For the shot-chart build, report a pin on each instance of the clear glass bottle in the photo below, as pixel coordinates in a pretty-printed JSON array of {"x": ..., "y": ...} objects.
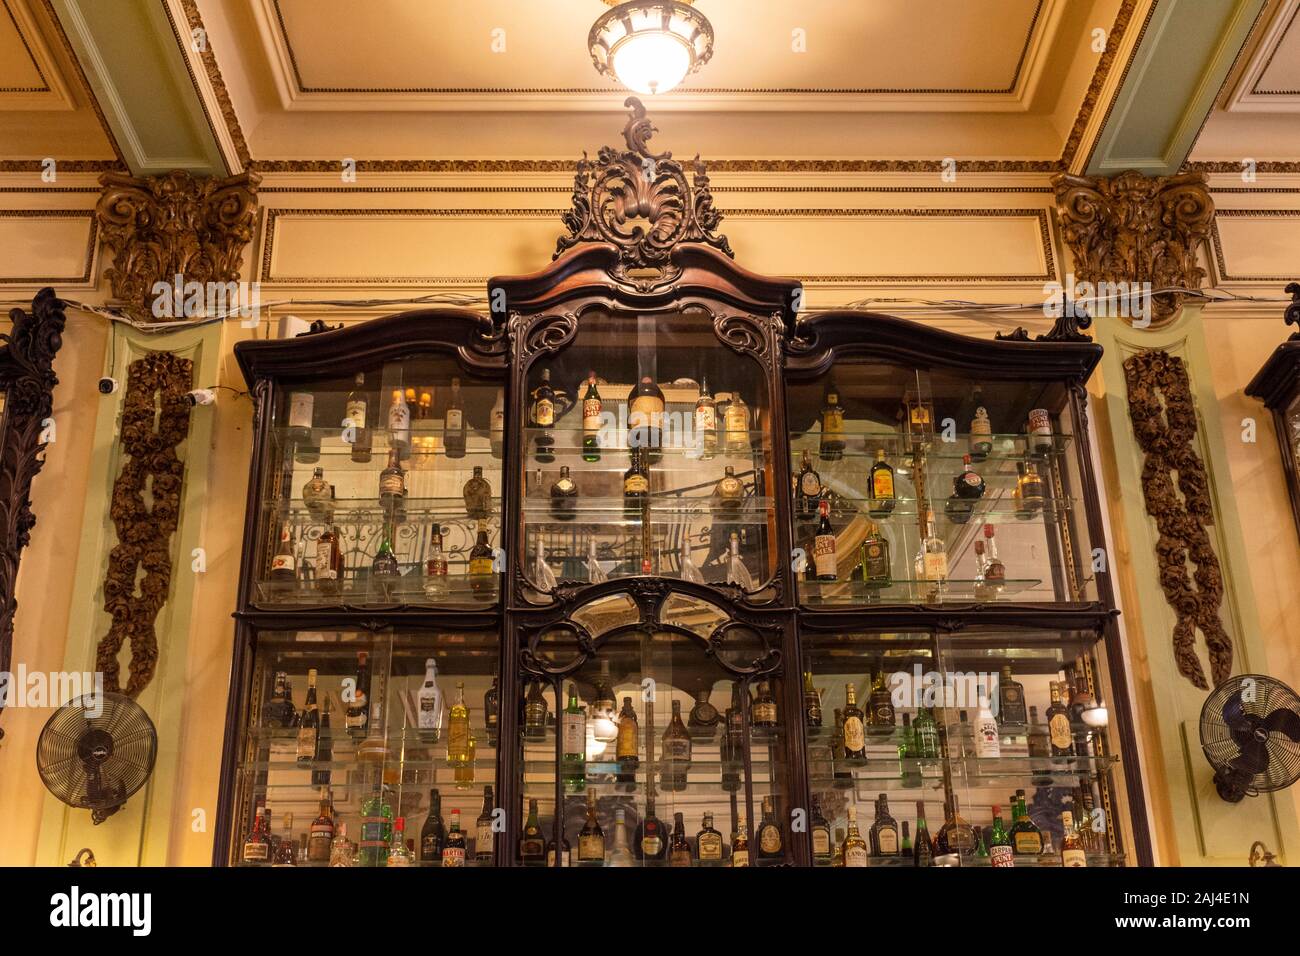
[
  {"x": 399, "y": 424},
  {"x": 737, "y": 426},
  {"x": 620, "y": 854},
  {"x": 435, "y": 566},
  {"x": 317, "y": 496},
  {"x": 706, "y": 422},
  {"x": 1028, "y": 494},
  {"x": 934, "y": 562},
  {"x": 981, "y": 435},
  {"x": 398, "y": 854},
  {"x": 429, "y": 703},
  {"x": 356, "y": 421}
]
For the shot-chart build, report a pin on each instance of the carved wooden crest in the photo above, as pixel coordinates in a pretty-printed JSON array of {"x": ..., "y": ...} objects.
[
  {"x": 1133, "y": 228},
  {"x": 642, "y": 203},
  {"x": 163, "y": 226}
]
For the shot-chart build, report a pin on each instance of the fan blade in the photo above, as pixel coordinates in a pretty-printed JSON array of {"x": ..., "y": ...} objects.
[
  {"x": 1253, "y": 759},
  {"x": 1283, "y": 722},
  {"x": 1234, "y": 711}
]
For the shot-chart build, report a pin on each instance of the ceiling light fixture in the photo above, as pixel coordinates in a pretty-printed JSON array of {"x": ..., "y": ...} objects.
[{"x": 650, "y": 45}]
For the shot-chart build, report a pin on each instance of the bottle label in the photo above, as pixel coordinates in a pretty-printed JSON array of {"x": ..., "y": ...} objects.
[
  {"x": 821, "y": 841},
  {"x": 677, "y": 748},
  {"x": 429, "y": 850},
  {"x": 480, "y": 566},
  {"x": 832, "y": 422},
  {"x": 591, "y": 848},
  {"x": 436, "y": 567},
  {"x": 876, "y": 564},
  {"x": 324, "y": 563},
  {"x": 301, "y": 405},
  {"x": 455, "y": 419},
  {"x": 936, "y": 565},
  {"x": 1073, "y": 858},
  {"x": 810, "y": 484},
  {"x": 635, "y": 485},
  {"x": 680, "y": 857},
  {"x": 399, "y": 417},
  {"x": 575, "y": 733},
  {"x": 428, "y": 717},
  {"x": 458, "y": 738},
  {"x": 769, "y": 840},
  {"x": 741, "y": 858},
  {"x": 824, "y": 555},
  {"x": 887, "y": 838},
  {"x": 710, "y": 846},
  {"x": 854, "y": 734},
  {"x": 627, "y": 734},
  {"x": 706, "y": 418},
  {"x": 391, "y": 483},
  {"x": 651, "y": 845},
  {"x": 1029, "y": 842},
  {"x": 356, "y": 413},
  {"x": 591, "y": 414},
  {"x": 646, "y": 410},
  {"x": 882, "y": 483},
  {"x": 764, "y": 712},
  {"x": 737, "y": 418},
  {"x": 855, "y": 856},
  {"x": 372, "y": 832},
  {"x": 256, "y": 852},
  {"x": 1002, "y": 856},
  {"x": 1058, "y": 727},
  {"x": 318, "y": 844},
  {"x": 453, "y": 856},
  {"x": 972, "y": 480},
  {"x": 483, "y": 838},
  {"x": 544, "y": 412},
  {"x": 282, "y": 562},
  {"x": 498, "y": 420}
]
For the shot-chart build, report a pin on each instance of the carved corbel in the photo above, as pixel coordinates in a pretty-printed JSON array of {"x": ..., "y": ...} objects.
[
  {"x": 163, "y": 226},
  {"x": 1130, "y": 230}
]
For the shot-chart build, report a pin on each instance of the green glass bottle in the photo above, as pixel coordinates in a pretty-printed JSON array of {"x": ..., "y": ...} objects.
[
  {"x": 385, "y": 565},
  {"x": 926, "y": 733},
  {"x": 1001, "y": 852},
  {"x": 573, "y": 767},
  {"x": 376, "y": 830}
]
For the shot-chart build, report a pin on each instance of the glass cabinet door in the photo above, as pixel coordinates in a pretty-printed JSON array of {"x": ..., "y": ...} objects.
[
  {"x": 353, "y": 736},
  {"x": 383, "y": 488},
  {"x": 978, "y": 741},
  {"x": 647, "y": 452},
  {"x": 928, "y": 486},
  {"x": 660, "y": 749}
]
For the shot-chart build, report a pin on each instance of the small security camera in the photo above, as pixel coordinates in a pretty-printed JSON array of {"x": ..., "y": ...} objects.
[
  {"x": 201, "y": 396},
  {"x": 107, "y": 385}
]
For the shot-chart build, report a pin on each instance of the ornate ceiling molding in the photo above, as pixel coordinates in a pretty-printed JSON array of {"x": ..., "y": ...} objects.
[
  {"x": 1136, "y": 229},
  {"x": 1099, "y": 77},
  {"x": 163, "y": 226}
]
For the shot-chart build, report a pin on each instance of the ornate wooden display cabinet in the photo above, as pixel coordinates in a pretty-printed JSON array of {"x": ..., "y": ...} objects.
[
  {"x": 715, "y": 523},
  {"x": 1277, "y": 385}
]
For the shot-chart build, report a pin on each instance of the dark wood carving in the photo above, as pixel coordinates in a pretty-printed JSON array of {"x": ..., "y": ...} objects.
[
  {"x": 27, "y": 378},
  {"x": 1164, "y": 420},
  {"x": 155, "y": 392},
  {"x": 1068, "y": 327},
  {"x": 1292, "y": 314}
]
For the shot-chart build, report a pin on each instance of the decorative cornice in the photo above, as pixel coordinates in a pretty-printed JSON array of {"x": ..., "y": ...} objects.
[
  {"x": 1235, "y": 166},
  {"x": 715, "y": 165},
  {"x": 209, "y": 59},
  {"x": 162, "y": 226},
  {"x": 1101, "y": 74},
  {"x": 1136, "y": 229}
]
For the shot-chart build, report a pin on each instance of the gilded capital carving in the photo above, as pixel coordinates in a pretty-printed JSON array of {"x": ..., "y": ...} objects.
[
  {"x": 177, "y": 224},
  {"x": 1136, "y": 229}
]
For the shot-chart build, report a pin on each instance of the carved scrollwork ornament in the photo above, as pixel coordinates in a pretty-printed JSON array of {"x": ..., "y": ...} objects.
[
  {"x": 1292, "y": 314},
  {"x": 1163, "y": 413},
  {"x": 641, "y": 203},
  {"x": 1130, "y": 230}
]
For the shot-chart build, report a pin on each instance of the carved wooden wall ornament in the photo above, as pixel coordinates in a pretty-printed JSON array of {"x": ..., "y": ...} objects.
[
  {"x": 155, "y": 392},
  {"x": 1133, "y": 228},
  {"x": 1161, "y": 408},
  {"x": 27, "y": 379},
  {"x": 163, "y": 226}
]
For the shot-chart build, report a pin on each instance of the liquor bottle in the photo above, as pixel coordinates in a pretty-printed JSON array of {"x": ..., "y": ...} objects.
[
  {"x": 1039, "y": 743},
  {"x": 704, "y": 717},
  {"x": 854, "y": 849},
  {"x": 257, "y": 848},
  {"x": 922, "y": 848},
  {"x": 532, "y": 846},
  {"x": 1079, "y": 701},
  {"x": 812, "y": 702},
  {"x": 874, "y": 559},
  {"x": 1083, "y": 816},
  {"x": 740, "y": 845},
  {"x": 882, "y": 719},
  {"x": 286, "y": 848},
  {"x": 385, "y": 566},
  {"x": 356, "y": 424},
  {"x": 591, "y": 838},
  {"x": 1001, "y": 852},
  {"x": 620, "y": 854},
  {"x": 645, "y": 415},
  {"x": 497, "y": 425},
  {"x": 732, "y": 751},
  {"x": 484, "y": 835},
  {"x": 909, "y": 754},
  {"x": 433, "y": 836},
  {"x": 343, "y": 852},
  {"x": 492, "y": 710},
  {"x": 636, "y": 485},
  {"x": 392, "y": 480},
  {"x": 1058, "y": 725},
  {"x": 855, "y": 735},
  {"x": 679, "y": 847},
  {"x": 841, "y": 776},
  {"x": 320, "y": 775},
  {"x": 1040, "y": 441},
  {"x": 881, "y": 495},
  {"x": 376, "y": 829},
  {"x": 771, "y": 842},
  {"x": 453, "y": 850},
  {"x": 995, "y": 573},
  {"x": 837, "y": 854},
  {"x": 824, "y": 567},
  {"x": 464, "y": 774},
  {"x": 1011, "y": 699},
  {"x": 399, "y": 424},
  {"x": 651, "y": 843},
  {"x": 935, "y": 560},
  {"x": 398, "y": 855},
  {"x": 454, "y": 431},
  {"x": 884, "y": 832},
  {"x": 429, "y": 702},
  {"x": 302, "y": 406},
  {"x": 435, "y": 566},
  {"x": 807, "y": 489},
  {"x": 354, "y": 719},
  {"x": 564, "y": 496},
  {"x": 1028, "y": 494},
  {"x": 981, "y": 435},
  {"x": 625, "y": 747},
  {"x": 736, "y": 423},
  {"x": 284, "y": 565},
  {"x": 566, "y": 852},
  {"x": 831, "y": 446},
  {"x": 535, "y": 712},
  {"x": 458, "y": 729},
  {"x": 478, "y": 495},
  {"x": 309, "y": 722},
  {"x": 542, "y": 418},
  {"x": 706, "y": 422},
  {"x": 763, "y": 713},
  {"x": 819, "y": 830},
  {"x": 958, "y": 510},
  {"x": 729, "y": 493},
  {"x": 905, "y": 842},
  {"x": 956, "y": 835},
  {"x": 327, "y": 569},
  {"x": 1026, "y": 838},
  {"x": 591, "y": 426},
  {"x": 969, "y": 484},
  {"x": 708, "y": 843},
  {"x": 316, "y": 495},
  {"x": 374, "y": 747},
  {"x": 676, "y": 752},
  {"x": 573, "y": 763},
  {"x": 988, "y": 739},
  {"x": 1072, "y": 849},
  {"x": 482, "y": 577}
]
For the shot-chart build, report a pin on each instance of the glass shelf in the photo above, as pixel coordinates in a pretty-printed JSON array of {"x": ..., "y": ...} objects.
[
  {"x": 865, "y": 444},
  {"x": 427, "y": 445},
  {"x": 850, "y": 593},
  {"x": 348, "y": 510},
  {"x": 978, "y": 510},
  {"x": 665, "y": 510},
  {"x": 1094, "y": 859},
  {"x": 406, "y": 589}
]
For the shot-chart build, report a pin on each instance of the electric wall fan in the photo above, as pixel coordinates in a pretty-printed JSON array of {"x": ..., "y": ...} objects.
[{"x": 1250, "y": 732}]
